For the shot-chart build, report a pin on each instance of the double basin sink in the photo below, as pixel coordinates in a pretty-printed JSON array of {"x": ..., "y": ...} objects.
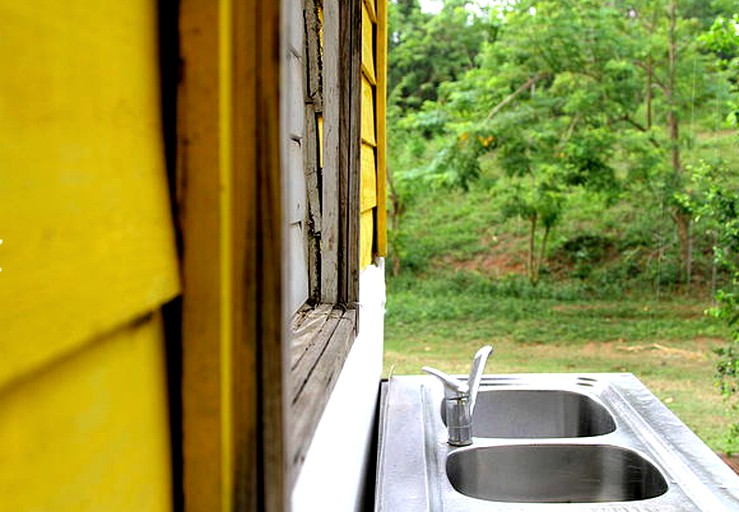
[{"x": 572, "y": 442}]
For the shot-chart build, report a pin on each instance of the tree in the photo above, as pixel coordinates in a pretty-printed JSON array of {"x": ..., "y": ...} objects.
[
  {"x": 722, "y": 42},
  {"x": 424, "y": 52},
  {"x": 564, "y": 85},
  {"x": 674, "y": 74},
  {"x": 544, "y": 99},
  {"x": 566, "y": 95},
  {"x": 715, "y": 201}
]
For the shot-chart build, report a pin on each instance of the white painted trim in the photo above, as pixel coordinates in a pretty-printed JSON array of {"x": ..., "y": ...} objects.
[{"x": 333, "y": 475}]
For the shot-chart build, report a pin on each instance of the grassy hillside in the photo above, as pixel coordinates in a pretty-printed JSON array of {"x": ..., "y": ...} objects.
[{"x": 608, "y": 301}]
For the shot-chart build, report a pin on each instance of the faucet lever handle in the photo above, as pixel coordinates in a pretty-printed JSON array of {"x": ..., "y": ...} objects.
[
  {"x": 476, "y": 371},
  {"x": 455, "y": 386}
]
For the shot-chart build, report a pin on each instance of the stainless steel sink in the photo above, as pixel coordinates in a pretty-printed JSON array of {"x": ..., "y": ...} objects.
[
  {"x": 556, "y": 473},
  {"x": 544, "y": 442},
  {"x": 538, "y": 413}
]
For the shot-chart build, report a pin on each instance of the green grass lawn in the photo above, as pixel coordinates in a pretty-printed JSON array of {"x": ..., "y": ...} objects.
[{"x": 666, "y": 344}]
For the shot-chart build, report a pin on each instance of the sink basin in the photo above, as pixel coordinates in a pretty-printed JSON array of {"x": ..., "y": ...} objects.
[
  {"x": 557, "y": 473},
  {"x": 536, "y": 414},
  {"x": 545, "y": 442}
]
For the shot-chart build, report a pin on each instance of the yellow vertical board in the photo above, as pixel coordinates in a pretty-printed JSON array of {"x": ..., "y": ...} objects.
[
  {"x": 381, "y": 109},
  {"x": 369, "y": 179},
  {"x": 87, "y": 233},
  {"x": 91, "y": 432},
  {"x": 228, "y": 127},
  {"x": 368, "y": 113},
  {"x": 371, "y": 9},
  {"x": 368, "y": 45},
  {"x": 320, "y": 19},
  {"x": 374, "y": 75},
  {"x": 320, "y": 141}
]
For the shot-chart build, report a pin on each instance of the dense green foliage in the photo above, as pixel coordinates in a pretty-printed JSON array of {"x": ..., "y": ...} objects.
[
  {"x": 715, "y": 203},
  {"x": 584, "y": 142}
]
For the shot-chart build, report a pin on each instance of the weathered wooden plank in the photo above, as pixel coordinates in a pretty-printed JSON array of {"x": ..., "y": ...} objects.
[
  {"x": 369, "y": 180},
  {"x": 332, "y": 160},
  {"x": 319, "y": 122},
  {"x": 309, "y": 405},
  {"x": 371, "y": 9},
  {"x": 368, "y": 45},
  {"x": 381, "y": 113},
  {"x": 314, "y": 350},
  {"x": 313, "y": 142},
  {"x": 266, "y": 318},
  {"x": 88, "y": 238},
  {"x": 198, "y": 130},
  {"x": 312, "y": 228},
  {"x": 354, "y": 111},
  {"x": 228, "y": 124},
  {"x": 92, "y": 431},
  {"x": 306, "y": 326},
  {"x": 368, "y": 113},
  {"x": 314, "y": 52}
]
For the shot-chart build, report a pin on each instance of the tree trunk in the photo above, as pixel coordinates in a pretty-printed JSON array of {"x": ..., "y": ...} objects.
[
  {"x": 682, "y": 222},
  {"x": 672, "y": 118},
  {"x": 714, "y": 267},
  {"x": 542, "y": 254},
  {"x": 689, "y": 261},
  {"x": 681, "y": 218},
  {"x": 532, "y": 249},
  {"x": 649, "y": 92},
  {"x": 395, "y": 216}
]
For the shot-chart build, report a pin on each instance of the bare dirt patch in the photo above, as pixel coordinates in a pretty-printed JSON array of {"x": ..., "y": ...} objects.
[{"x": 501, "y": 258}]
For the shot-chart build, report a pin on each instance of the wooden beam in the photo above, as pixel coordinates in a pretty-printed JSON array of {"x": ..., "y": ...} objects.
[
  {"x": 228, "y": 157},
  {"x": 330, "y": 206},
  {"x": 351, "y": 44},
  {"x": 381, "y": 112}
]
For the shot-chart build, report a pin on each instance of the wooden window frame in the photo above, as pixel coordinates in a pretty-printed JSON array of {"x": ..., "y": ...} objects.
[
  {"x": 323, "y": 331},
  {"x": 229, "y": 204}
]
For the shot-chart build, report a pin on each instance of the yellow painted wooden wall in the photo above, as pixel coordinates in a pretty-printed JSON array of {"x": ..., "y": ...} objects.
[
  {"x": 88, "y": 257},
  {"x": 372, "y": 203}
]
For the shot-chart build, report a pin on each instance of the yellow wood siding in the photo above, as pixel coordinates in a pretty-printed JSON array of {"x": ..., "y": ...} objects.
[
  {"x": 369, "y": 185},
  {"x": 368, "y": 45},
  {"x": 320, "y": 140},
  {"x": 87, "y": 234},
  {"x": 368, "y": 113},
  {"x": 88, "y": 256},
  {"x": 372, "y": 218},
  {"x": 381, "y": 105},
  {"x": 91, "y": 432}
]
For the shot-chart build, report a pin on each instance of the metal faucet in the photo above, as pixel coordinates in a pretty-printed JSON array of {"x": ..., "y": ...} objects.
[{"x": 460, "y": 398}]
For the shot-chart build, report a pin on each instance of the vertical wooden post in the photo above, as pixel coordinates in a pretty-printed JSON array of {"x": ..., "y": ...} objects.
[
  {"x": 229, "y": 166},
  {"x": 351, "y": 118},
  {"x": 381, "y": 112}
]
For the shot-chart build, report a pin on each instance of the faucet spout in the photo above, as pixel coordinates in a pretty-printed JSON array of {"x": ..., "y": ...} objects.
[{"x": 460, "y": 397}]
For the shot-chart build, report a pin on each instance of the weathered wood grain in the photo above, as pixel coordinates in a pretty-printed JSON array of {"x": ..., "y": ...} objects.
[
  {"x": 229, "y": 157},
  {"x": 381, "y": 112},
  {"x": 311, "y": 401},
  {"x": 332, "y": 163}
]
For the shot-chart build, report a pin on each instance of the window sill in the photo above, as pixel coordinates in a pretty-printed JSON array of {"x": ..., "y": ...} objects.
[{"x": 321, "y": 339}]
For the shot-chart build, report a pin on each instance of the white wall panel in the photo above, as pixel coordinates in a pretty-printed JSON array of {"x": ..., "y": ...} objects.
[{"x": 334, "y": 473}]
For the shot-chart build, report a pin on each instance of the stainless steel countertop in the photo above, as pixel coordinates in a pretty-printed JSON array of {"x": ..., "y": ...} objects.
[{"x": 411, "y": 473}]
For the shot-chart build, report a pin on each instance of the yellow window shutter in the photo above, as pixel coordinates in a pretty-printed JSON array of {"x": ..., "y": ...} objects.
[{"x": 373, "y": 238}]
